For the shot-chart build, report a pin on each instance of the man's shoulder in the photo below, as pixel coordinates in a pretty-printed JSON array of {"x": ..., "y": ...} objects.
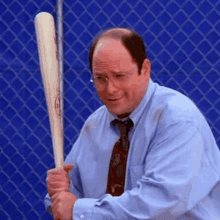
[
  {"x": 98, "y": 115},
  {"x": 175, "y": 106},
  {"x": 95, "y": 122}
]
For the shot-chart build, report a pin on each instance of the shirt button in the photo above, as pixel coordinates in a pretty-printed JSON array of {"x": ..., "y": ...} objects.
[{"x": 81, "y": 216}]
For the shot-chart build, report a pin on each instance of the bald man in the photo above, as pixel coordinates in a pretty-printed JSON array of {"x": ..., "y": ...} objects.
[{"x": 171, "y": 169}]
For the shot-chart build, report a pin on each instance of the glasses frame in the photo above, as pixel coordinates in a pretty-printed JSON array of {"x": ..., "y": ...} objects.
[{"x": 107, "y": 79}]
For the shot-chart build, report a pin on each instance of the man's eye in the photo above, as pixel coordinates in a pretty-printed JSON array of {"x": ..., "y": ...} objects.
[
  {"x": 119, "y": 76},
  {"x": 101, "y": 78}
]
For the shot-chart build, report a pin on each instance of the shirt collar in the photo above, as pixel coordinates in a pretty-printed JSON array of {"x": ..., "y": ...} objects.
[{"x": 136, "y": 114}]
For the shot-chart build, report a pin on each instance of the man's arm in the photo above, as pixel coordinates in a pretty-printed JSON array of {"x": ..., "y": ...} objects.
[{"x": 176, "y": 177}]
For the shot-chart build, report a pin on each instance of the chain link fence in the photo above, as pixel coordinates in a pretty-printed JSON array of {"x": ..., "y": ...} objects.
[{"x": 182, "y": 40}]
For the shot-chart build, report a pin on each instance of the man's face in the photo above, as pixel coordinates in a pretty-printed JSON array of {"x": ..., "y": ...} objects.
[{"x": 111, "y": 59}]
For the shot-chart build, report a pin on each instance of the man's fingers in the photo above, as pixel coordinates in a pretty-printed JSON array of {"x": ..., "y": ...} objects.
[
  {"x": 55, "y": 203},
  {"x": 54, "y": 191},
  {"x": 54, "y": 211},
  {"x": 54, "y": 197},
  {"x": 57, "y": 184},
  {"x": 58, "y": 177},
  {"x": 53, "y": 188},
  {"x": 59, "y": 174},
  {"x": 51, "y": 180},
  {"x": 55, "y": 170},
  {"x": 58, "y": 180}
]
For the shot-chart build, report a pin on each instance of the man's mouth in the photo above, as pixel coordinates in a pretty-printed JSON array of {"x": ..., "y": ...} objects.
[{"x": 112, "y": 100}]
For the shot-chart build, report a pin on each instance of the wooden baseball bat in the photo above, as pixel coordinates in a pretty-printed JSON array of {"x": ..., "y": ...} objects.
[{"x": 47, "y": 49}]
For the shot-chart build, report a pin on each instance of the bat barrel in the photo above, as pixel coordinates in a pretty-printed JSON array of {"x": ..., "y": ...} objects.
[{"x": 47, "y": 49}]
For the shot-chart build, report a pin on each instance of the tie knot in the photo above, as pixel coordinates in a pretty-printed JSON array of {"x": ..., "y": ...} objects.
[{"x": 124, "y": 126}]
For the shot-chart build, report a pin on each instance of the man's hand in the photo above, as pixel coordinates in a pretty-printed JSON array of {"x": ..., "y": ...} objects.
[
  {"x": 58, "y": 179},
  {"x": 62, "y": 205}
]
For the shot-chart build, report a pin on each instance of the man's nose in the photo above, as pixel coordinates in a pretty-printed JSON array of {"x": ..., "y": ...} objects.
[{"x": 111, "y": 87}]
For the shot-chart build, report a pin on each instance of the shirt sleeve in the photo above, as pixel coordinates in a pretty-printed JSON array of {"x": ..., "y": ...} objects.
[{"x": 176, "y": 176}]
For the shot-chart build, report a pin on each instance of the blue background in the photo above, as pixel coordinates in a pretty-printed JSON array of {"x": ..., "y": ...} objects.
[{"x": 183, "y": 43}]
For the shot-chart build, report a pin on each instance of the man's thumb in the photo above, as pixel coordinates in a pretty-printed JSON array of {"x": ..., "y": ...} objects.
[{"x": 68, "y": 167}]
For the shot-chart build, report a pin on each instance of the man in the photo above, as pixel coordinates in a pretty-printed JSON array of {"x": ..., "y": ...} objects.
[{"x": 172, "y": 169}]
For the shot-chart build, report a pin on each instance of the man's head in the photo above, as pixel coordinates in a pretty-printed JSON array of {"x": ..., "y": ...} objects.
[{"x": 120, "y": 69}]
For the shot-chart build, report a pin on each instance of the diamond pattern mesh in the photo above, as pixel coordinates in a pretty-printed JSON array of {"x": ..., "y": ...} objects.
[{"x": 182, "y": 40}]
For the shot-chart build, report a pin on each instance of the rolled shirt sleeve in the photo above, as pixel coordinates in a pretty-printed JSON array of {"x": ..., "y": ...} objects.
[{"x": 176, "y": 176}]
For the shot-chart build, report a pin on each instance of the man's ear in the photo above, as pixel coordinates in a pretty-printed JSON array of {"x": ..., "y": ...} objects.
[{"x": 146, "y": 68}]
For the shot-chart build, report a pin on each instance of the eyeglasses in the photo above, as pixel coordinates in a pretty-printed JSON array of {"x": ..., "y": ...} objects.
[{"x": 101, "y": 81}]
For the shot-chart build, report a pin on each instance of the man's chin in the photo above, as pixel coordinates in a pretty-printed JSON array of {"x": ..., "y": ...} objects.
[
  {"x": 123, "y": 115},
  {"x": 119, "y": 114}
]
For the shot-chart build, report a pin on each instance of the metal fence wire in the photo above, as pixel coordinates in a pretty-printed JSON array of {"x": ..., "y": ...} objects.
[{"x": 182, "y": 39}]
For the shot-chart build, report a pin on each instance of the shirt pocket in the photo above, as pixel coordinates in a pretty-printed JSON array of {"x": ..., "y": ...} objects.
[{"x": 136, "y": 173}]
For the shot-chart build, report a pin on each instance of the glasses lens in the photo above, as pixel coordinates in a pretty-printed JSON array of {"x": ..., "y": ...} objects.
[{"x": 100, "y": 81}]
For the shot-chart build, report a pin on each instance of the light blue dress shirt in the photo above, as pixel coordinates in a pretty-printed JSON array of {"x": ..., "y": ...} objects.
[{"x": 173, "y": 166}]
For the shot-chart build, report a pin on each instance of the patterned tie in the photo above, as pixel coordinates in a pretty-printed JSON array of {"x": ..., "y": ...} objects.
[{"x": 117, "y": 168}]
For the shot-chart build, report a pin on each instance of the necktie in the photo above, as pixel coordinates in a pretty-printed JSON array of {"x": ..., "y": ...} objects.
[{"x": 117, "y": 167}]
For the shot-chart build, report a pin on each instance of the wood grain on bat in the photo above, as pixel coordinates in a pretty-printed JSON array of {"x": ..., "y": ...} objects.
[{"x": 47, "y": 49}]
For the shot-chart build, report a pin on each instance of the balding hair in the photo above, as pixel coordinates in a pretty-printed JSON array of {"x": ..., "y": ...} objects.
[{"x": 133, "y": 43}]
